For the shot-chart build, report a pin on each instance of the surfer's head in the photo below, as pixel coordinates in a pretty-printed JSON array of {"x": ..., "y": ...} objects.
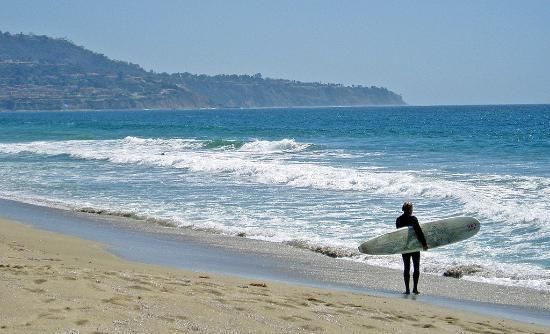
[{"x": 407, "y": 208}]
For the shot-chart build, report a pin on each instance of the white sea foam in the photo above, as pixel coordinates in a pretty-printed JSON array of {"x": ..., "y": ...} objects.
[
  {"x": 500, "y": 197},
  {"x": 274, "y": 228},
  {"x": 514, "y": 208},
  {"x": 265, "y": 146}
]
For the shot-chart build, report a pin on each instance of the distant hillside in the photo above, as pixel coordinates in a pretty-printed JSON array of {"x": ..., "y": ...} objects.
[{"x": 43, "y": 73}]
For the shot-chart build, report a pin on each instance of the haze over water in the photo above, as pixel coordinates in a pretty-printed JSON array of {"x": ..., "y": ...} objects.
[{"x": 325, "y": 179}]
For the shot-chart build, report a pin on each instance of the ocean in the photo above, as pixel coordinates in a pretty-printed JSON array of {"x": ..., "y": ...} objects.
[{"x": 324, "y": 179}]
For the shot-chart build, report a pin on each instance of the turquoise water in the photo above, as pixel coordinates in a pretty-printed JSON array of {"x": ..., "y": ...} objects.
[{"x": 324, "y": 179}]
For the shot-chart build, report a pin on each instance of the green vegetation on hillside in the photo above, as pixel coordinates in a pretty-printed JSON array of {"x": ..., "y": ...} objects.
[{"x": 43, "y": 73}]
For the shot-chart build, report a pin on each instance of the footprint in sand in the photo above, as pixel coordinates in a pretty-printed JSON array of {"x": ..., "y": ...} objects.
[
  {"x": 315, "y": 300},
  {"x": 82, "y": 322},
  {"x": 39, "y": 291}
]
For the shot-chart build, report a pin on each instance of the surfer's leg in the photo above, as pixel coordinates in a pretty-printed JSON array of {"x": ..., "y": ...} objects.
[
  {"x": 416, "y": 274},
  {"x": 406, "y": 271}
]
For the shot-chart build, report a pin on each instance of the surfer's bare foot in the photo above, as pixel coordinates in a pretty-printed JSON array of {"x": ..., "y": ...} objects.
[
  {"x": 416, "y": 292},
  {"x": 407, "y": 292}
]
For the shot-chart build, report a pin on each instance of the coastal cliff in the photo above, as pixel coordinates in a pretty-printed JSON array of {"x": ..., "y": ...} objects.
[{"x": 44, "y": 73}]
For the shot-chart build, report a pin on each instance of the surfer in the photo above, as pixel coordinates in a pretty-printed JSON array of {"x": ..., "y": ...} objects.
[{"x": 407, "y": 219}]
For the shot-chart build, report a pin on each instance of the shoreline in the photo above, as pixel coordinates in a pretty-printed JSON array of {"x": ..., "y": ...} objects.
[
  {"x": 251, "y": 259},
  {"x": 207, "y": 235},
  {"x": 57, "y": 283}
]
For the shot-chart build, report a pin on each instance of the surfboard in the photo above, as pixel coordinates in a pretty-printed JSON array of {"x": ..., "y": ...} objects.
[{"x": 438, "y": 233}]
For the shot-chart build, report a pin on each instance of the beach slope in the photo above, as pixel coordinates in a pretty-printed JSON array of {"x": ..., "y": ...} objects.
[{"x": 51, "y": 283}]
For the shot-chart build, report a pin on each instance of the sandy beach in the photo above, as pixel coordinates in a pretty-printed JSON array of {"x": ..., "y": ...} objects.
[{"x": 52, "y": 283}]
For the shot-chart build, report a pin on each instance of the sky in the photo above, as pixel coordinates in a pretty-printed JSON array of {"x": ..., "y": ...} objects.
[{"x": 431, "y": 52}]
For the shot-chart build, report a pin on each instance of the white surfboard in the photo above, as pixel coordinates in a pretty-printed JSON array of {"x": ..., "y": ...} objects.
[{"x": 438, "y": 233}]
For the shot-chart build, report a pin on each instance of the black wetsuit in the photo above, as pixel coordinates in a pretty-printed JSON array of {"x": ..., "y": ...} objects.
[{"x": 402, "y": 221}]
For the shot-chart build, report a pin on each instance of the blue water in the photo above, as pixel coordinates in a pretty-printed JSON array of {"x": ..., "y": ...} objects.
[{"x": 324, "y": 179}]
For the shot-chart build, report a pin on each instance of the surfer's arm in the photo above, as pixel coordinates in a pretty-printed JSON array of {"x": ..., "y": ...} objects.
[{"x": 420, "y": 234}]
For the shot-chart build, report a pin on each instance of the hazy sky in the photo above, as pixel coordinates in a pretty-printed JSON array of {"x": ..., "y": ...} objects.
[{"x": 431, "y": 52}]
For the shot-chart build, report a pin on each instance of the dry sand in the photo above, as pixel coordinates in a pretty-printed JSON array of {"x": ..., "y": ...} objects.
[{"x": 51, "y": 283}]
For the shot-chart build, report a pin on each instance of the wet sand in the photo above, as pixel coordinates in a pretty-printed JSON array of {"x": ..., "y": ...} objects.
[{"x": 53, "y": 283}]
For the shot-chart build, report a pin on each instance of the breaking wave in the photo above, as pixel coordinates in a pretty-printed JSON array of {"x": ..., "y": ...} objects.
[{"x": 501, "y": 197}]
